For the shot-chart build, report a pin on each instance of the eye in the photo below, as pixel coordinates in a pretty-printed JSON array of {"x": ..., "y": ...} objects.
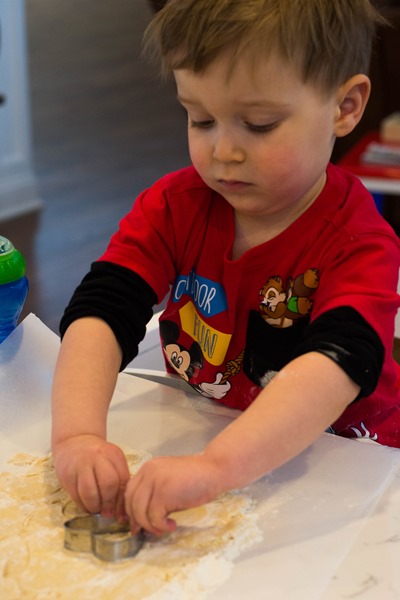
[
  {"x": 261, "y": 128},
  {"x": 201, "y": 124}
]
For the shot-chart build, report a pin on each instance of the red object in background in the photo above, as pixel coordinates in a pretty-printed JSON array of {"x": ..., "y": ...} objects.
[{"x": 351, "y": 161}]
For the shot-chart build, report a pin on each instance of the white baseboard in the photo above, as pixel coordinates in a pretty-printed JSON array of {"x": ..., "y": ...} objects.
[{"x": 19, "y": 196}]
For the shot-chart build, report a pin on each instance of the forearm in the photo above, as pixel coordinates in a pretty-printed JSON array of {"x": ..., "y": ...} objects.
[
  {"x": 305, "y": 398},
  {"x": 84, "y": 379}
]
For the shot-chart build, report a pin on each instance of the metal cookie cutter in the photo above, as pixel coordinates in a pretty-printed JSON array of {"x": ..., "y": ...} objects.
[{"x": 106, "y": 538}]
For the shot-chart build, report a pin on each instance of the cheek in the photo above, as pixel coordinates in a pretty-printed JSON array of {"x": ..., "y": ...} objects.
[
  {"x": 280, "y": 160},
  {"x": 196, "y": 157},
  {"x": 297, "y": 159},
  {"x": 199, "y": 151}
]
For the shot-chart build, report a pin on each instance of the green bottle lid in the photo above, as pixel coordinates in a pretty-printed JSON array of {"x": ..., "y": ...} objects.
[{"x": 12, "y": 264}]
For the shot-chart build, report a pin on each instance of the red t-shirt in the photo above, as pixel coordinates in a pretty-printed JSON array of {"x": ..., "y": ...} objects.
[{"x": 223, "y": 315}]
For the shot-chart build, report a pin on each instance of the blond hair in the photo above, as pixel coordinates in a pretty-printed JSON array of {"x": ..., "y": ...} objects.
[{"x": 329, "y": 41}]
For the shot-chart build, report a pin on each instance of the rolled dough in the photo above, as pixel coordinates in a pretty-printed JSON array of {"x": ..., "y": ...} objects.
[{"x": 189, "y": 563}]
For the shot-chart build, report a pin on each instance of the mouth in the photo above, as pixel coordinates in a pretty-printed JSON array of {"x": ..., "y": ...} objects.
[{"x": 233, "y": 185}]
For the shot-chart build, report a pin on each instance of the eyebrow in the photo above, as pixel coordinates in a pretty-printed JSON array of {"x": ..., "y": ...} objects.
[{"x": 245, "y": 103}]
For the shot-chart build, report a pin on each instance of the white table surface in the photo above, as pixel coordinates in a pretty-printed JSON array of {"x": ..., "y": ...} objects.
[{"x": 330, "y": 518}]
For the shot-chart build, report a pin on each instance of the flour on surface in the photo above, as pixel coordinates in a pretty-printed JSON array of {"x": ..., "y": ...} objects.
[{"x": 187, "y": 564}]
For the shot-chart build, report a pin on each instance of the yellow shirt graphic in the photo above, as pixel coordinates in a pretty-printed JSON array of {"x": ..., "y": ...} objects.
[{"x": 213, "y": 343}]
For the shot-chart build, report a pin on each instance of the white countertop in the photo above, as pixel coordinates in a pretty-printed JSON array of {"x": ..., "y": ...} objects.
[{"x": 330, "y": 518}]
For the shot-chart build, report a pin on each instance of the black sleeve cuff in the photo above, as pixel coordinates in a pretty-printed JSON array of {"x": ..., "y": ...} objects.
[
  {"x": 119, "y": 297},
  {"x": 344, "y": 335}
]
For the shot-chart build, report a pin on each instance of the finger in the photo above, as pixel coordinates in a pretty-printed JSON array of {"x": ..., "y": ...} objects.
[
  {"x": 88, "y": 492},
  {"x": 122, "y": 470},
  {"x": 161, "y": 523},
  {"x": 68, "y": 478},
  {"x": 108, "y": 483},
  {"x": 118, "y": 460},
  {"x": 120, "y": 511},
  {"x": 137, "y": 498},
  {"x": 153, "y": 517},
  {"x": 157, "y": 514},
  {"x": 129, "y": 500}
]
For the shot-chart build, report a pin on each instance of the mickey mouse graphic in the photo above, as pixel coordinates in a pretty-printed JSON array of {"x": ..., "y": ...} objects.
[
  {"x": 269, "y": 338},
  {"x": 187, "y": 363}
]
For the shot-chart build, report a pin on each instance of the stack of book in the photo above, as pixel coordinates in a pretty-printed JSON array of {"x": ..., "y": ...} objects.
[{"x": 378, "y": 153}]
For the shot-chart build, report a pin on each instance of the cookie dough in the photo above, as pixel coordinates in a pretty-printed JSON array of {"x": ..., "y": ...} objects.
[{"x": 188, "y": 563}]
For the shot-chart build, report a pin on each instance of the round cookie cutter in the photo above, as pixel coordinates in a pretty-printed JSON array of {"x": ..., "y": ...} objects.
[
  {"x": 116, "y": 545},
  {"x": 106, "y": 538}
]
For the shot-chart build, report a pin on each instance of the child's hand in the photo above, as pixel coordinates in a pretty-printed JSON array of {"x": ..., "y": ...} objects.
[
  {"x": 164, "y": 485},
  {"x": 94, "y": 473}
]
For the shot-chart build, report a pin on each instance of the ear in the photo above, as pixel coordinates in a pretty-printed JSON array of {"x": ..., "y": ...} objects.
[{"x": 352, "y": 98}]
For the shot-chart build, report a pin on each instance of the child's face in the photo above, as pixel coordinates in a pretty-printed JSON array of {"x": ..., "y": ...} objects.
[{"x": 261, "y": 138}]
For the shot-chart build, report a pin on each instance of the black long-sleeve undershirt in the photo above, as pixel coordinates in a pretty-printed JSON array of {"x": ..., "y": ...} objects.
[
  {"x": 125, "y": 302},
  {"x": 119, "y": 297}
]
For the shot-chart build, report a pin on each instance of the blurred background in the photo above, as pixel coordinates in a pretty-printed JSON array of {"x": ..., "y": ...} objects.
[
  {"x": 86, "y": 124},
  {"x": 102, "y": 127}
]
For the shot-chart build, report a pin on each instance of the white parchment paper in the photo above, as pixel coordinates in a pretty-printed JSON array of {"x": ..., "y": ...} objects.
[{"x": 311, "y": 511}]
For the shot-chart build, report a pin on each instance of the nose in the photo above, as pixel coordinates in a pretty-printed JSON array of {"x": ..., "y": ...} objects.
[{"x": 226, "y": 148}]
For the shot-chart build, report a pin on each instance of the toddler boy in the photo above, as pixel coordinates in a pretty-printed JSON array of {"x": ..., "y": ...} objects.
[{"x": 283, "y": 275}]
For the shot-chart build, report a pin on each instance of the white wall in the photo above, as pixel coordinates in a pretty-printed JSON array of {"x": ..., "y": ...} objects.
[{"x": 18, "y": 192}]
